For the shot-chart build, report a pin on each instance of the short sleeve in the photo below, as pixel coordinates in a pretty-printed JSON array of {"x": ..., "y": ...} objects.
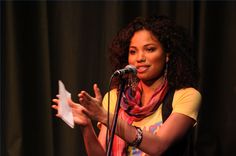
[
  {"x": 113, "y": 98},
  {"x": 187, "y": 101}
]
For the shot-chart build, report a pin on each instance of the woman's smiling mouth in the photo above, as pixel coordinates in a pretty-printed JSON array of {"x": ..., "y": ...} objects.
[{"x": 141, "y": 69}]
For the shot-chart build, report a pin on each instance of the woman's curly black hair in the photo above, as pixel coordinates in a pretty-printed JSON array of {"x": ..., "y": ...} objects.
[{"x": 182, "y": 70}]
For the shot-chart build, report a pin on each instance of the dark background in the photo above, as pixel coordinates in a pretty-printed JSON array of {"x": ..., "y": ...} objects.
[{"x": 46, "y": 41}]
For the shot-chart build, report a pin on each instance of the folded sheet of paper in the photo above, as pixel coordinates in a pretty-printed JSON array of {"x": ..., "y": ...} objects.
[{"x": 64, "y": 109}]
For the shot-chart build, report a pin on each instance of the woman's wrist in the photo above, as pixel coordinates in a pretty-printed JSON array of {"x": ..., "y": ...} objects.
[
  {"x": 138, "y": 137},
  {"x": 103, "y": 117},
  {"x": 87, "y": 125}
]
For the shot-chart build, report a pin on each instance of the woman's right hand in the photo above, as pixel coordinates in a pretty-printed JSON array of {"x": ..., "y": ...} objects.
[{"x": 78, "y": 112}]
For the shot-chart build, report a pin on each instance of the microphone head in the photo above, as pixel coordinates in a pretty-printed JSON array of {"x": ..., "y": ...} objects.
[{"x": 131, "y": 68}]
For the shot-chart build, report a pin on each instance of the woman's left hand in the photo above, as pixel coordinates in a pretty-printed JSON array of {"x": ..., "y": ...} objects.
[
  {"x": 93, "y": 105},
  {"x": 78, "y": 112}
]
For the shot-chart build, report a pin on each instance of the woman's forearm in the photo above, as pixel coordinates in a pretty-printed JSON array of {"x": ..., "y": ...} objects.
[
  {"x": 156, "y": 144},
  {"x": 92, "y": 144},
  {"x": 128, "y": 134}
]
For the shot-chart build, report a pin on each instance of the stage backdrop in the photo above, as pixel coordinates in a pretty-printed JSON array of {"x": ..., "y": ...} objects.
[{"x": 46, "y": 41}]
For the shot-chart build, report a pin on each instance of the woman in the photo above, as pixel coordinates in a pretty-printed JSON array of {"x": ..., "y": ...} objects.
[{"x": 161, "y": 52}]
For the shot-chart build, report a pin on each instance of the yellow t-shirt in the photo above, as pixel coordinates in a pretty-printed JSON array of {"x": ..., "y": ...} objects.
[{"x": 185, "y": 101}]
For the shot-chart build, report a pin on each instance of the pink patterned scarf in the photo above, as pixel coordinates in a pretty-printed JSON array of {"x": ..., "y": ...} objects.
[{"x": 132, "y": 110}]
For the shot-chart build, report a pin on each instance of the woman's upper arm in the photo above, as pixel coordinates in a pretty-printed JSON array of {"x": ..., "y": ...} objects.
[
  {"x": 174, "y": 128},
  {"x": 186, "y": 104}
]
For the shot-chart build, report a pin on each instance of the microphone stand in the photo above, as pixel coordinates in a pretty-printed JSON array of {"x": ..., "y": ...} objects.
[{"x": 114, "y": 121}]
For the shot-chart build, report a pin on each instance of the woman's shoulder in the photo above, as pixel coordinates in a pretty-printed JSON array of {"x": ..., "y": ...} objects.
[
  {"x": 187, "y": 101},
  {"x": 187, "y": 92}
]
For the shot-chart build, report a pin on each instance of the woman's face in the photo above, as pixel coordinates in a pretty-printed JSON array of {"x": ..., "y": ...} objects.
[{"x": 147, "y": 55}]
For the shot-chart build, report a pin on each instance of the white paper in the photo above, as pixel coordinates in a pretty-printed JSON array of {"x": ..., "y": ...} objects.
[{"x": 64, "y": 109}]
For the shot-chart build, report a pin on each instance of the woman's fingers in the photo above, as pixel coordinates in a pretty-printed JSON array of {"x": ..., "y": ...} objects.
[
  {"x": 88, "y": 106},
  {"x": 57, "y": 115},
  {"x": 97, "y": 92},
  {"x": 85, "y": 98},
  {"x": 55, "y": 101},
  {"x": 55, "y": 107},
  {"x": 79, "y": 112}
]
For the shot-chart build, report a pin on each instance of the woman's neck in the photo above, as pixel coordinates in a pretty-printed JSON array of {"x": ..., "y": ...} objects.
[{"x": 148, "y": 88}]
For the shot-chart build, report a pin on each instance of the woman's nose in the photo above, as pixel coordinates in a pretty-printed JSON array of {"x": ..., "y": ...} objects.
[{"x": 141, "y": 57}]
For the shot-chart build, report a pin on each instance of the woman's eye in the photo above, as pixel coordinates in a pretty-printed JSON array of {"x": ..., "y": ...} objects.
[
  {"x": 150, "y": 49},
  {"x": 132, "y": 52}
]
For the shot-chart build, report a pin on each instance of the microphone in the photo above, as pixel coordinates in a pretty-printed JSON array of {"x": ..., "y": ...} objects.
[{"x": 129, "y": 69}]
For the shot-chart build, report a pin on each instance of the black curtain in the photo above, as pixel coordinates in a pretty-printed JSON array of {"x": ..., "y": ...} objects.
[{"x": 46, "y": 41}]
